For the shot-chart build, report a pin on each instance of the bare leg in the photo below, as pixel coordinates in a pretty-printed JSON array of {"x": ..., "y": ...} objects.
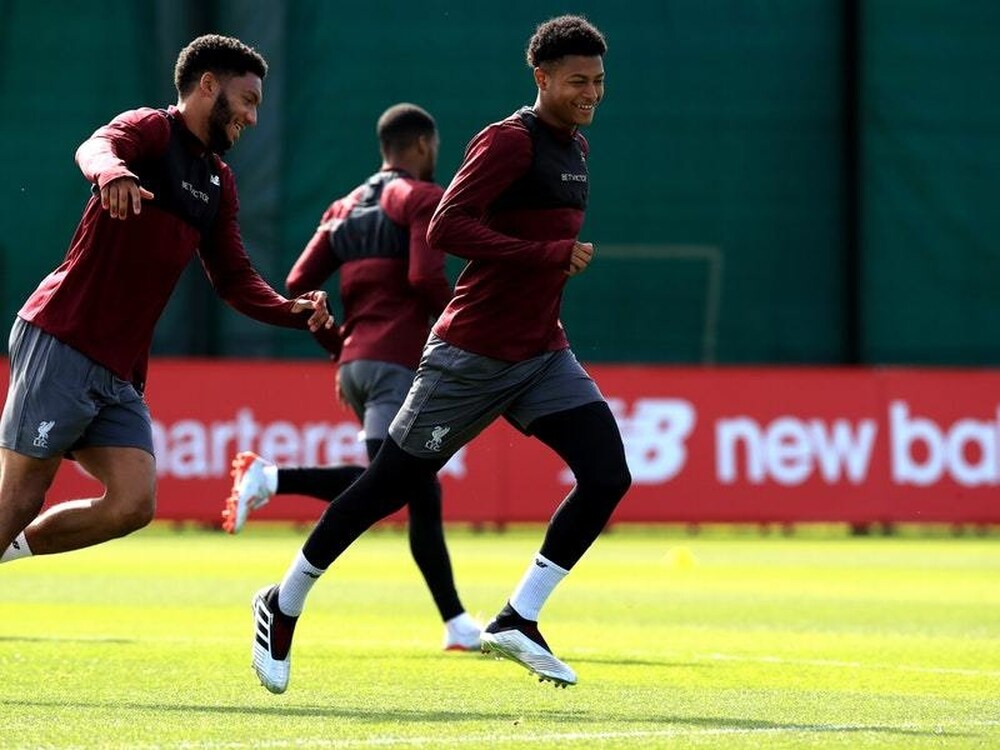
[
  {"x": 128, "y": 503},
  {"x": 23, "y": 483}
]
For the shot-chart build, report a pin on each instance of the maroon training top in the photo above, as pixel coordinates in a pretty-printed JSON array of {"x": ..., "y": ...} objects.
[
  {"x": 392, "y": 283},
  {"x": 107, "y": 295},
  {"x": 514, "y": 210}
]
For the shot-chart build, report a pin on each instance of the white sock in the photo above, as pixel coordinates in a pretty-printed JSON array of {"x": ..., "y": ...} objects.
[
  {"x": 539, "y": 580},
  {"x": 271, "y": 478},
  {"x": 295, "y": 586},
  {"x": 462, "y": 623},
  {"x": 18, "y": 548}
]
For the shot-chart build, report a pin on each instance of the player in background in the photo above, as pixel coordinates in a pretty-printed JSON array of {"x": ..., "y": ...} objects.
[
  {"x": 393, "y": 286},
  {"x": 79, "y": 347},
  {"x": 514, "y": 210}
]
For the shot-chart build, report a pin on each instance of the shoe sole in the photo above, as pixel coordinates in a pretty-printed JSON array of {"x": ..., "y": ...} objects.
[
  {"x": 492, "y": 647},
  {"x": 464, "y": 649}
]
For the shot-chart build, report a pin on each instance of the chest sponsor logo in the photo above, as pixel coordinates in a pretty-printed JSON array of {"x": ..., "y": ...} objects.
[{"x": 194, "y": 192}]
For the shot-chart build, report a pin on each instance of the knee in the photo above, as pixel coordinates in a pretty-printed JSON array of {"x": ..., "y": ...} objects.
[
  {"x": 611, "y": 482},
  {"x": 133, "y": 513}
]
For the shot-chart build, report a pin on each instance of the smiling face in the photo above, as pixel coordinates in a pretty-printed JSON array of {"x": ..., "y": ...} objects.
[
  {"x": 569, "y": 90},
  {"x": 235, "y": 108}
]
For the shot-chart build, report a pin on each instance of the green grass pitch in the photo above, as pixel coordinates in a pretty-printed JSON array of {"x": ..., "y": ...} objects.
[{"x": 725, "y": 639}]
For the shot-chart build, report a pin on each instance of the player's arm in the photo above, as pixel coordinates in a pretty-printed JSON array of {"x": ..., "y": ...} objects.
[
  {"x": 314, "y": 267},
  {"x": 425, "y": 271},
  {"x": 493, "y": 161},
  {"x": 104, "y": 158},
  {"x": 236, "y": 280},
  {"x": 317, "y": 263}
]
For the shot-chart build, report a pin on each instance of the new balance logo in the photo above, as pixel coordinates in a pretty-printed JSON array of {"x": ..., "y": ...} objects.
[
  {"x": 42, "y": 438},
  {"x": 437, "y": 435}
]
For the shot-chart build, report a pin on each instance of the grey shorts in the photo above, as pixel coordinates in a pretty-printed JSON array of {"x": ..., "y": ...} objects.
[
  {"x": 59, "y": 400},
  {"x": 375, "y": 390},
  {"x": 457, "y": 394}
]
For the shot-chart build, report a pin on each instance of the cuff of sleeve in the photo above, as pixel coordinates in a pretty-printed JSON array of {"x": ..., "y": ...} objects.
[
  {"x": 559, "y": 252},
  {"x": 329, "y": 339},
  {"x": 113, "y": 174}
]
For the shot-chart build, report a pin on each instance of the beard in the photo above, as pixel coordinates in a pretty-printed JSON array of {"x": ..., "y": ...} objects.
[{"x": 218, "y": 125}]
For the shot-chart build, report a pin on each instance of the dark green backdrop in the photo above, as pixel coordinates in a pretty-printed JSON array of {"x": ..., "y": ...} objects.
[{"x": 793, "y": 181}]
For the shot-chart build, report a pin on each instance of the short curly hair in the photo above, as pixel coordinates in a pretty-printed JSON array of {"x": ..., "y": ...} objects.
[
  {"x": 222, "y": 55},
  {"x": 564, "y": 35},
  {"x": 401, "y": 125}
]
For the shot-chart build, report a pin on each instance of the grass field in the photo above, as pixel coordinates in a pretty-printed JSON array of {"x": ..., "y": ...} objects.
[{"x": 716, "y": 640}]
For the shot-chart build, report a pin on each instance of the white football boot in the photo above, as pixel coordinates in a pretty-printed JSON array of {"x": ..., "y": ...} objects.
[
  {"x": 462, "y": 633},
  {"x": 522, "y": 643},
  {"x": 272, "y": 641},
  {"x": 250, "y": 490}
]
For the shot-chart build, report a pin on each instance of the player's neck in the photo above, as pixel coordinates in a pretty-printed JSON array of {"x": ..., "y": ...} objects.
[
  {"x": 546, "y": 116},
  {"x": 192, "y": 121}
]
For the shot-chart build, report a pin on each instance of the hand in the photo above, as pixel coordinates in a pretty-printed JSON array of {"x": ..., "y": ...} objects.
[
  {"x": 118, "y": 194},
  {"x": 583, "y": 253},
  {"x": 315, "y": 301}
]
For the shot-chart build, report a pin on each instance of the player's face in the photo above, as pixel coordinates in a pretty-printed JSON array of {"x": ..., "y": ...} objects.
[
  {"x": 235, "y": 108},
  {"x": 570, "y": 89}
]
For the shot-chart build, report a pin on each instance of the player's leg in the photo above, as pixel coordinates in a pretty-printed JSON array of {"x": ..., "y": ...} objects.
[
  {"x": 24, "y": 480},
  {"x": 586, "y": 437},
  {"x": 588, "y": 440},
  {"x": 418, "y": 447},
  {"x": 378, "y": 390},
  {"x": 58, "y": 400},
  {"x": 377, "y": 493},
  {"x": 375, "y": 391},
  {"x": 129, "y": 478},
  {"x": 430, "y": 553},
  {"x": 116, "y": 448},
  {"x": 256, "y": 480}
]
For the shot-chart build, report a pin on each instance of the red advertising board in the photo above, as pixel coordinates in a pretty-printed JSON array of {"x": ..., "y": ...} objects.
[{"x": 754, "y": 445}]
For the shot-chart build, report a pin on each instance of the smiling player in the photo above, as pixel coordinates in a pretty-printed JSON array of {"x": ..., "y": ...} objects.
[{"x": 80, "y": 344}]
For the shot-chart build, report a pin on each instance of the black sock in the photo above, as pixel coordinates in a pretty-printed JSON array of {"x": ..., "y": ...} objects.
[{"x": 322, "y": 483}]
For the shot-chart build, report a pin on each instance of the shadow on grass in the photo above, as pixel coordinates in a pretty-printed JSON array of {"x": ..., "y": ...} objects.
[
  {"x": 60, "y": 639},
  {"x": 377, "y": 714},
  {"x": 575, "y": 717},
  {"x": 624, "y": 662},
  {"x": 627, "y": 662}
]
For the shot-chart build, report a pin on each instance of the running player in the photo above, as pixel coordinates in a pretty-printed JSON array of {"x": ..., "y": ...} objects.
[
  {"x": 80, "y": 344},
  {"x": 514, "y": 210}
]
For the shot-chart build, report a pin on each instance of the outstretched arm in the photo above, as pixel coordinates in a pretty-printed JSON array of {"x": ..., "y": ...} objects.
[
  {"x": 104, "y": 158},
  {"x": 238, "y": 283}
]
